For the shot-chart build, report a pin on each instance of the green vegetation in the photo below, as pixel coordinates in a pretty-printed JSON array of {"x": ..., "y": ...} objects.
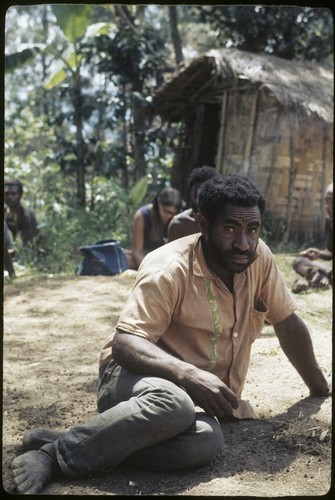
[{"x": 80, "y": 131}]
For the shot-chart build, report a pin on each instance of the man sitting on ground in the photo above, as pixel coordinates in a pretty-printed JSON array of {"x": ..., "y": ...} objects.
[
  {"x": 180, "y": 354},
  {"x": 317, "y": 274}
]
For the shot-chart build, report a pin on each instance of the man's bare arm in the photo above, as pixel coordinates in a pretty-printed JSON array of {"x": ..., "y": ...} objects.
[
  {"x": 296, "y": 343},
  {"x": 206, "y": 389}
]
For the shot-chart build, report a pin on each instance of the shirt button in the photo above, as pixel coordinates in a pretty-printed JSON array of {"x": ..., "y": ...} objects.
[{"x": 235, "y": 334}]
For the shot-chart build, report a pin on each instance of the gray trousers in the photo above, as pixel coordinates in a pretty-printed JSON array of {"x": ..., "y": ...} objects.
[{"x": 143, "y": 421}]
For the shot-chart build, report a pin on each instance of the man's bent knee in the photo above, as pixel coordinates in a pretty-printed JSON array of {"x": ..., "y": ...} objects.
[
  {"x": 173, "y": 404},
  {"x": 209, "y": 439}
]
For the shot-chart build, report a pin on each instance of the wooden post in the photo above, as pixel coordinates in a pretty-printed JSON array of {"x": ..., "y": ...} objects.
[
  {"x": 196, "y": 141},
  {"x": 323, "y": 182},
  {"x": 251, "y": 130},
  {"x": 221, "y": 136},
  {"x": 292, "y": 174},
  {"x": 273, "y": 155}
]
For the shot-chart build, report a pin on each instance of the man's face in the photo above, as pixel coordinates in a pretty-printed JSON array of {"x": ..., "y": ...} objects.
[
  {"x": 12, "y": 196},
  {"x": 231, "y": 243}
]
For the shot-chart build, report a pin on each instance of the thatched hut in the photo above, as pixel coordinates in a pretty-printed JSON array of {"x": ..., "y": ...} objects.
[{"x": 262, "y": 116}]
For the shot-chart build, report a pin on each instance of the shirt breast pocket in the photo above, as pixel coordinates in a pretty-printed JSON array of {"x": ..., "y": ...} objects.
[{"x": 257, "y": 317}]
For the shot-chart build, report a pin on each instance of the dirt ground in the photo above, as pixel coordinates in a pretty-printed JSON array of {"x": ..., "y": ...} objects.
[{"x": 53, "y": 330}]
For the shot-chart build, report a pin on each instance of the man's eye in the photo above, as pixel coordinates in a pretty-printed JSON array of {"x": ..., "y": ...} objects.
[
  {"x": 252, "y": 230},
  {"x": 229, "y": 229}
]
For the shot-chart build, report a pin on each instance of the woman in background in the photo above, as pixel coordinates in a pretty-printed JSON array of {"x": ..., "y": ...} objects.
[{"x": 151, "y": 223}]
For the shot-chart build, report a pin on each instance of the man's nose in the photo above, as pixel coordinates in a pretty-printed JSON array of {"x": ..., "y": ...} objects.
[{"x": 241, "y": 242}]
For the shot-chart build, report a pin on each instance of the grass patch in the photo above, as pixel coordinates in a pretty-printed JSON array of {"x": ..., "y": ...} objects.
[{"x": 304, "y": 435}]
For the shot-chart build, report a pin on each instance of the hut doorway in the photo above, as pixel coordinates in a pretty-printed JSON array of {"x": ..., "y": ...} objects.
[{"x": 197, "y": 143}]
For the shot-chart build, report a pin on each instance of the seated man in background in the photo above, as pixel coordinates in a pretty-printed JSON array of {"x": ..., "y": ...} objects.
[
  {"x": 184, "y": 223},
  {"x": 179, "y": 357},
  {"x": 20, "y": 220},
  {"x": 317, "y": 274}
]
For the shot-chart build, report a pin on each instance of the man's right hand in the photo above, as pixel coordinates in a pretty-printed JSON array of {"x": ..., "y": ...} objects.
[
  {"x": 206, "y": 389},
  {"x": 210, "y": 393}
]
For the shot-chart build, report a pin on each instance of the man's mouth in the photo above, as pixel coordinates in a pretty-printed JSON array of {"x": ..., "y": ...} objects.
[{"x": 240, "y": 259}]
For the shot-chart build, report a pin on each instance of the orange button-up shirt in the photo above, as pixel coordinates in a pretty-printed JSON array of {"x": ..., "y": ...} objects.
[{"x": 181, "y": 305}]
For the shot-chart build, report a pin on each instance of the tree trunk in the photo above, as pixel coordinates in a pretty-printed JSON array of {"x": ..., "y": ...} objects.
[
  {"x": 45, "y": 25},
  {"x": 81, "y": 190},
  {"x": 139, "y": 141},
  {"x": 175, "y": 34},
  {"x": 124, "y": 16},
  {"x": 124, "y": 135}
]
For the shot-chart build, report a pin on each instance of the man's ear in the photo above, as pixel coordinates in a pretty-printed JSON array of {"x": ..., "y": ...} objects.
[{"x": 202, "y": 222}]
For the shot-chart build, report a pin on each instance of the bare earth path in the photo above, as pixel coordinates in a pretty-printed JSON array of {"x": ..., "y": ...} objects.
[{"x": 53, "y": 331}]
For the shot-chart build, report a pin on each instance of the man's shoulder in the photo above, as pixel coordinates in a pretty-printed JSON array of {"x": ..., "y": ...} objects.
[
  {"x": 183, "y": 224},
  {"x": 20, "y": 211},
  {"x": 28, "y": 213},
  {"x": 185, "y": 215},
  {"x": 263, "y": 252},
  {"x": 171, "y": 255},
  {"x": 264, "y": 248}
]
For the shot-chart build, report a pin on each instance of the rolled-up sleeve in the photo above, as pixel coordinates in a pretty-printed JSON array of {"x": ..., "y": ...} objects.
[{"x": 150, "y": 306}]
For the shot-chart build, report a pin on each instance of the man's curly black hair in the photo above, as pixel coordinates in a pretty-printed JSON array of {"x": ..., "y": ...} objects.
[
  {"x": 228, "y": 188},
  {"x": 15, "y": 183},
  {"x": 201, "y": 174}
]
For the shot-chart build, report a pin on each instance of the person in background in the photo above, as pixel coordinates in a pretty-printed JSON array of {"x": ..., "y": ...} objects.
[
  {"x": 20, "y": 220},
  {"x": 151, "y": 224},
  {"x": 307, "y": 265},
  {"x": 8, "y": 252},
  {"x": 176, "y": 366},
  {"x": 184, "y": 223}
]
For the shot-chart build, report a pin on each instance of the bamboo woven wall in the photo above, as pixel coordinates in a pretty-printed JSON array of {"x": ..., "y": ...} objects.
[{"x": 288, "y": 155}]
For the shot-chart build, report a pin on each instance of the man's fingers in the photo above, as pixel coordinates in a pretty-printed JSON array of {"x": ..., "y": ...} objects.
[
  {"x": 230, "y": 396},
  {"x": 219, "y": 406}
]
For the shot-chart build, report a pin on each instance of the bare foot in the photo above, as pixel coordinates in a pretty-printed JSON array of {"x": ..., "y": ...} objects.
[
  {"x": 36, "y": 438},
  {"x": 324, "y": 283},
  {"x": 32, "y": 471}
]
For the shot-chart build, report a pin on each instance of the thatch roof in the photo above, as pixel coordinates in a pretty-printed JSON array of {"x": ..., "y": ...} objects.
[{"x": 300, "y": 85}]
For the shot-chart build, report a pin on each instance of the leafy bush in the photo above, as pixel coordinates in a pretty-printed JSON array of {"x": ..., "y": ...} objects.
[
  {"x": 63, "y": 228},
  {"x": 76, "y": 228}
]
